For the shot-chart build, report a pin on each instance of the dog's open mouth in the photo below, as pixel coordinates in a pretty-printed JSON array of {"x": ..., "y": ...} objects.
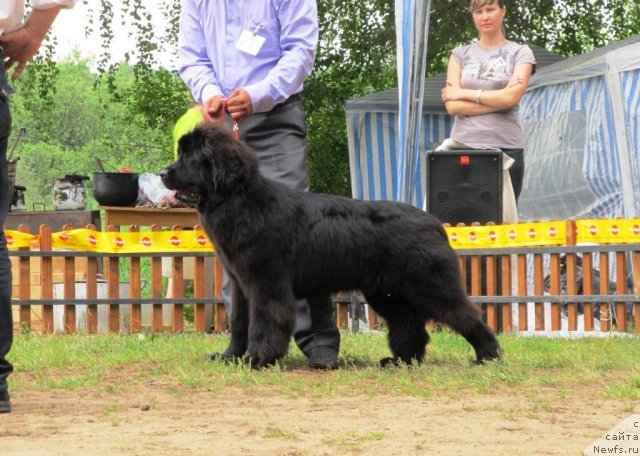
[{"x": 188, "y": 198}]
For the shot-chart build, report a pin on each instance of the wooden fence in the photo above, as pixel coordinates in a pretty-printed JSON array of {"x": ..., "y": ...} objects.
[
  {"x": 34, "y": 273},
  {"x": 513, "y": 285}
]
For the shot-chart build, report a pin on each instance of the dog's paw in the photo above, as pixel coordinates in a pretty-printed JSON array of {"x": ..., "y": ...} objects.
[
  {"x": 257, "y": 363},
  {"x": 225, "y": 358},
  {"x": 390, "y": 361},
  {"x": 491, "y": 352},
  {"x": 398, "y": 362},
  {"x": 481, "y": 361}
]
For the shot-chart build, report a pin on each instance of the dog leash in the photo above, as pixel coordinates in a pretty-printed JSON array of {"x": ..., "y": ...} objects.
[{"x": 236, "y": 129}]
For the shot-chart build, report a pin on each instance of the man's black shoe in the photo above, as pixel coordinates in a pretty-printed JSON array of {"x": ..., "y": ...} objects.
[
  {"x": 5, "y": 402},
  {"x": 324, "y": 357}
]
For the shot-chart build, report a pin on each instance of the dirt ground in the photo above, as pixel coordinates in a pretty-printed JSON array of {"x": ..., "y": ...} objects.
[{"x": 162, "y": 419}]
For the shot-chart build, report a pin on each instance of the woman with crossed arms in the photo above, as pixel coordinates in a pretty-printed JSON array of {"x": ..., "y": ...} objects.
[{"x": 485, "y": 82}]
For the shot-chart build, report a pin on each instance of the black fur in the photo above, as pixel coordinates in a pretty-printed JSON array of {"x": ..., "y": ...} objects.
[{"x": 279, "y": 244}]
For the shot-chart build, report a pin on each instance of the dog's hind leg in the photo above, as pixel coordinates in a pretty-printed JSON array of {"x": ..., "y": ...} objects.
[
  {"x": 239, "y": 325},
  {"x": 407, "y": 336},
  {"x": 438, "y": 293},
  {"x": 465, "y": 318},
  {"x": 272, "y": 311}
]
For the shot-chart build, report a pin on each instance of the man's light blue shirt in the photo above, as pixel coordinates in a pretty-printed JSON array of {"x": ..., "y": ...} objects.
[{"x": 211, "y": 65}]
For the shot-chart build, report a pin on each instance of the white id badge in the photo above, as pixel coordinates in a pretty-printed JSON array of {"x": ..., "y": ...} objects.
[{"x": 250, "y": 42}]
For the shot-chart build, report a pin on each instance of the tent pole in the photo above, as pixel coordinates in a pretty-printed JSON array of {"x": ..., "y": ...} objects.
[
  {"x": 412, "y": 60},
  {"x": 612, "y": 80}
]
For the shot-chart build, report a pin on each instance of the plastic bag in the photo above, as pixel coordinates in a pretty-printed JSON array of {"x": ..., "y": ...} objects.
[{"x": 152, "y": 190}]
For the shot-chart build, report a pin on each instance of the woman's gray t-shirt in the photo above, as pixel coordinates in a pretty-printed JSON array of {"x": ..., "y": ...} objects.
[{"x": 490, "y": 69}]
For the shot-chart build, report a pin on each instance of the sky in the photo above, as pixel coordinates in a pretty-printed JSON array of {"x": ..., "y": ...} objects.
[{"x": 69, "y": 29}]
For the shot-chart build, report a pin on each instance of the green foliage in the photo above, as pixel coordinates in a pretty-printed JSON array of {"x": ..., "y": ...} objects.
[
  {"x": 573, "y": 27},
  {"x": 80, "y": 121},
  {"x": 125, "y": 113},
  {"x": 158, "y": 98},
  {"x": 566, "y": 27},
  {"x": 347, "y": 65}
]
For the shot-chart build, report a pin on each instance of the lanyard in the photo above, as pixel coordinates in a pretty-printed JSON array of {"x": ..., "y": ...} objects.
[{"x": 236, "y": 129}]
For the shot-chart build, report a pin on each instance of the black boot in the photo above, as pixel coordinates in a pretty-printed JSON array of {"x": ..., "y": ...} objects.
[
  {"x": 324, "y": 357},
  {"x": 5, "y": 401},
  {"x": 316, "y": 333}
]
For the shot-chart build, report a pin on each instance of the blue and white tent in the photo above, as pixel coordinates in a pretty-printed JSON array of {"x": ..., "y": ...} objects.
[
  {"x": 581, "y": 119},
  {"x": 372, "y": 129}
]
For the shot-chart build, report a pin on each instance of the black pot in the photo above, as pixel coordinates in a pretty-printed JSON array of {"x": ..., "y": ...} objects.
[{"x": 115, "y": 189}]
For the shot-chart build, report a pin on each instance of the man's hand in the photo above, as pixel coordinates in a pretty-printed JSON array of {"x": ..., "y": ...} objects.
[
  {"x": 212, "y": 110},
  {"x": 21, "y": 44},
  {"x": 239, "y": 104}
]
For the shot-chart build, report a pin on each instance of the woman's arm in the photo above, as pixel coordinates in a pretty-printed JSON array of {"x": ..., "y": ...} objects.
[
  {"x": 510, "y": 96},
  {"x": 470, "y": 102},
  {"x": 468, "y": 108},
  {"x": 451, "y": 94}
]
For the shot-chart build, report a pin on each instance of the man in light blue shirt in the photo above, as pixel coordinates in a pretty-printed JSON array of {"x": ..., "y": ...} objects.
[{"x": 251, "y": 58}]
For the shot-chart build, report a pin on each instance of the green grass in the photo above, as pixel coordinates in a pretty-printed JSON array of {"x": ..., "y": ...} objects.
[{"x": 610, "y": 366}]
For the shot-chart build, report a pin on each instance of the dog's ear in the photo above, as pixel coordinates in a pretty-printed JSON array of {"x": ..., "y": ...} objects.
[
  {"x": 191, "y": 142},
  {"x": 224, "y": 162},
  {"x": 193, "y": 160}
]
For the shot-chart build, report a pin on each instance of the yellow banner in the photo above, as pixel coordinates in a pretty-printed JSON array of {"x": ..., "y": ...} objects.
[
  {"x": 18, "y": 239},
  {"x": 517, "y": 235},
  {"x": 613, "y": 231},
  {"x": 115, "y": 242}
]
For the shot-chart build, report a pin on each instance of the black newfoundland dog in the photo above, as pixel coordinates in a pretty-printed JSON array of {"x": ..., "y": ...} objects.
[{"x": 279, "y": 244}]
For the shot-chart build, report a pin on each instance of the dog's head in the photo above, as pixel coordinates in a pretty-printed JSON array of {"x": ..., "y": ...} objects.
[{"x": 211, "y": 161}]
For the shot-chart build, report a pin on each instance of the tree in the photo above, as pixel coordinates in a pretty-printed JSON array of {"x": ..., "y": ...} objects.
[
  {"x": 78, "y": 123},
  {"x": 356, "y": 56},
  {"x": 346, "y": 66}
]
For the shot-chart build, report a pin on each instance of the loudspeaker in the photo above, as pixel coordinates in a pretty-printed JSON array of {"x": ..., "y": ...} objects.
[{"x": 464, "y": 186}]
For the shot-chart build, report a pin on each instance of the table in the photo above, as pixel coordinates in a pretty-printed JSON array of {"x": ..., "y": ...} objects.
[
  {"x": 55, "y": 219},
  {"x": 147, "y": 216}
]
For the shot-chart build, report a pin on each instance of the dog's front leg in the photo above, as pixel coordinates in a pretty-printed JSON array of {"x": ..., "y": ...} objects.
[
  {"x": 239, "y": 325},
  {"x": 272, "y": 321}
]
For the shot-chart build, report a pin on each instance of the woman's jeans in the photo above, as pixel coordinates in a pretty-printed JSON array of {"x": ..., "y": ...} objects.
[{"x": 6, "y": 321}]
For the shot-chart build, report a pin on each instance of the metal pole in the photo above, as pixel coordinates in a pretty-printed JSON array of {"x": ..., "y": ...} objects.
[{"x": 415, "y": 92}]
